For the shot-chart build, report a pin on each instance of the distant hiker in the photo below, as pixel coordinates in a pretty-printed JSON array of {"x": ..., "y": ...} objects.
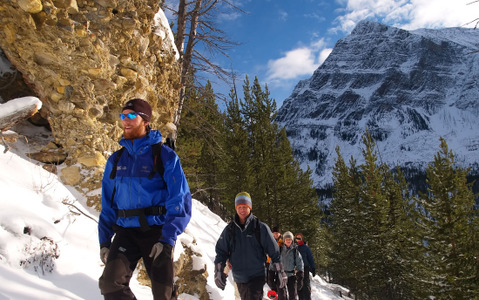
[
  {"x": 245, "y": 242},
  {"x": 293, "y": 266},
  {"x": 272, "y": 276},
  {"x": 309, "y": 266},
  {"x": 146, "y": 203}
]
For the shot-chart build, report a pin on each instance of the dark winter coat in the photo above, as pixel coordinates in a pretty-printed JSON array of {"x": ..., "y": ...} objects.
[
  {"x": 134, "y": 190},
  {"x": 248, "y": 256},
  {"x": 307, "y": 256}
]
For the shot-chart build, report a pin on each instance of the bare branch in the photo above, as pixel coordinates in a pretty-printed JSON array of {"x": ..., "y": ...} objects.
[{"x": 79, "y": 210}]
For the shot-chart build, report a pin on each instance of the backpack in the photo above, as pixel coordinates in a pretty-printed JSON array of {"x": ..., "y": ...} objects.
[
  {"x": 256, "y": 230},
  {"x": 157, "y": 162}
]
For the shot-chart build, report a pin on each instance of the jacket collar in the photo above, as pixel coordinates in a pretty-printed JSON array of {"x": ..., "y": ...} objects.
[
  {"x": 248, "y": 220},
  {"x": 152, "y": 137}
]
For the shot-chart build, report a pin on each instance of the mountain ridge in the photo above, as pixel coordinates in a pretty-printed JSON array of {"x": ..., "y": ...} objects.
[{"x": 408, "y": 88}]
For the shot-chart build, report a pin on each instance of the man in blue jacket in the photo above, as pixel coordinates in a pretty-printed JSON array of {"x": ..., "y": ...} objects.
[
  {"x": 245, "y": 243},
  {"x": 146, "y": 204}
]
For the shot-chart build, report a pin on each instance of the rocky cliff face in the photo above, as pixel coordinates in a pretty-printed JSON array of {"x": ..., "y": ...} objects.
[
  {"x": 408, "y": 88},
  {"x": 84, "y": 59}
]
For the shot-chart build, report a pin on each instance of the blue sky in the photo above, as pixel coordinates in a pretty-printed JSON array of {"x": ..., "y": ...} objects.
[{"x": 284, "y": 41}]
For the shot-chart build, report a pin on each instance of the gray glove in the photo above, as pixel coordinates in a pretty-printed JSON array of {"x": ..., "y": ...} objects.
[
  {"x": 220, "y": 276},
  {"x": 156, "y": 250},
  {"x": 283, "y": 278},
  {"x": 104, "y": 251}
]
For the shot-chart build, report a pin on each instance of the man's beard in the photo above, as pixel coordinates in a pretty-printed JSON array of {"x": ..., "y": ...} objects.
[{"x": 133, "y": 133}]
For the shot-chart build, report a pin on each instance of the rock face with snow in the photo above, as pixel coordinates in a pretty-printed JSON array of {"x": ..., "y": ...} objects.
[
  {"x": 408, "y": 88},
  {"x": 85, "y": 59}
]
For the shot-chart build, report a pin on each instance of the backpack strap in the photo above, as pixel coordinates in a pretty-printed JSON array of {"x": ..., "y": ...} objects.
[
  {"x": 157, "y": 165},
  {"x": 231, "y": 234},
  {"x": 115, "y": 163},
  {"x": 157, "y": 162},
  {"x": 294, "y": 255},
  {"x": 257, "y": 232},
  {"x": 113, "y": 172}
]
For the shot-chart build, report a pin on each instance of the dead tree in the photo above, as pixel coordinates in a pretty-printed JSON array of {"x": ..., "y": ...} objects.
[{"x": 195, "y": 26}]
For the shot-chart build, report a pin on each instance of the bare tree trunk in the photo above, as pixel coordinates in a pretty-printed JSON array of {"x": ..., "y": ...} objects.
[{"x": 188, "y": 54}]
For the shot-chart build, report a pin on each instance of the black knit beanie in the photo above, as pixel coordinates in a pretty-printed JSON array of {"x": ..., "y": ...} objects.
[{"x": 139, "y": 106}]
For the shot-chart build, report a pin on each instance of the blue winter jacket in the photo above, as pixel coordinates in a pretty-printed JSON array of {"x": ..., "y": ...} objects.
[
  {"x": 247, "y": 257},
  {"x": 135, "y": 190}
]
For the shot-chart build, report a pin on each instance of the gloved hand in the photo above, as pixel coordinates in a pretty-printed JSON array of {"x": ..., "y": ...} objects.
[
  {"x": 313, "y": 271},
  {"x": 104, "y": 251},
  {"x": 283, "y": 278},
  {"x": 299, "y": 280},
  {"x": 156, "y": 250},
  {"x": 220, "y": 276}
]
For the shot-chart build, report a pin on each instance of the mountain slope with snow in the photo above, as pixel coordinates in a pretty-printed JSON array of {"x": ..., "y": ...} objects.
[
  {"x": 407, "y": 88},
  {"x": 49, "y": 240}
]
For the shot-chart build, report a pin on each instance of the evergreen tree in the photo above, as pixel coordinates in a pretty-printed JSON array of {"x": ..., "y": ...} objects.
[
  {"x": 211, "y": 150},
  {"x": 345, "y": 233},
  {"x": 199, "y": 144},
  {"x": 259, "y": 160},
  {"x": 403, "y": 242},
  {"x": 259, "y": 111},
  {"x": 188, "y": 141},
  {"x": 449, "y": 221},
  {"x": 373, "y": 222},
  {"x": 235, "y": 165},
  {"x": 372, "y": 211}
]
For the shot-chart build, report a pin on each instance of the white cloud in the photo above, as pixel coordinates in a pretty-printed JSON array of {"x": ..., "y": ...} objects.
[
  {"x": 408, "y": 14},
  {"x": 295, "y": 63}
]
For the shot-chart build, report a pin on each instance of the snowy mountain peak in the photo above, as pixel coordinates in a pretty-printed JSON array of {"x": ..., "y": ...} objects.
[
  {"x": 365, "y": 27},
  {"x": 408, "y": 88}
]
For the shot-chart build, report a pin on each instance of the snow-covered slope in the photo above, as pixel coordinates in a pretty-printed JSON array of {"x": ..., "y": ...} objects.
[
  {"x": 48, "y": 237},
  {"x": 408, "y": 88}
]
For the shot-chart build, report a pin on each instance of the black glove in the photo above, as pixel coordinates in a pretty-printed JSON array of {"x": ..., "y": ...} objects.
[
  {"x": 313, "y": 271},
  {"x": 220, "y": 276},
  {"x": 299, "y": 280}
]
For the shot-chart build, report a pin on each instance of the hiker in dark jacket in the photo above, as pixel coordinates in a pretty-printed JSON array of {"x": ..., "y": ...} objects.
[
  {"x": 144, "y": 210},
  {"x": 309, "y": 266},
  {"x": 245, "y": 242}
]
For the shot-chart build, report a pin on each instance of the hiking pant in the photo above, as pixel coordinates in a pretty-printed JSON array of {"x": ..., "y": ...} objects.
[
  {"x": 271, "y": 279},
  {"x": 291, "y": 287},
  {"x": 252, "y": 290},
  {"x": 273, "y": 282},
  {"x": 128, "y": 246},
  {"x": 305, "y": 292}
]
